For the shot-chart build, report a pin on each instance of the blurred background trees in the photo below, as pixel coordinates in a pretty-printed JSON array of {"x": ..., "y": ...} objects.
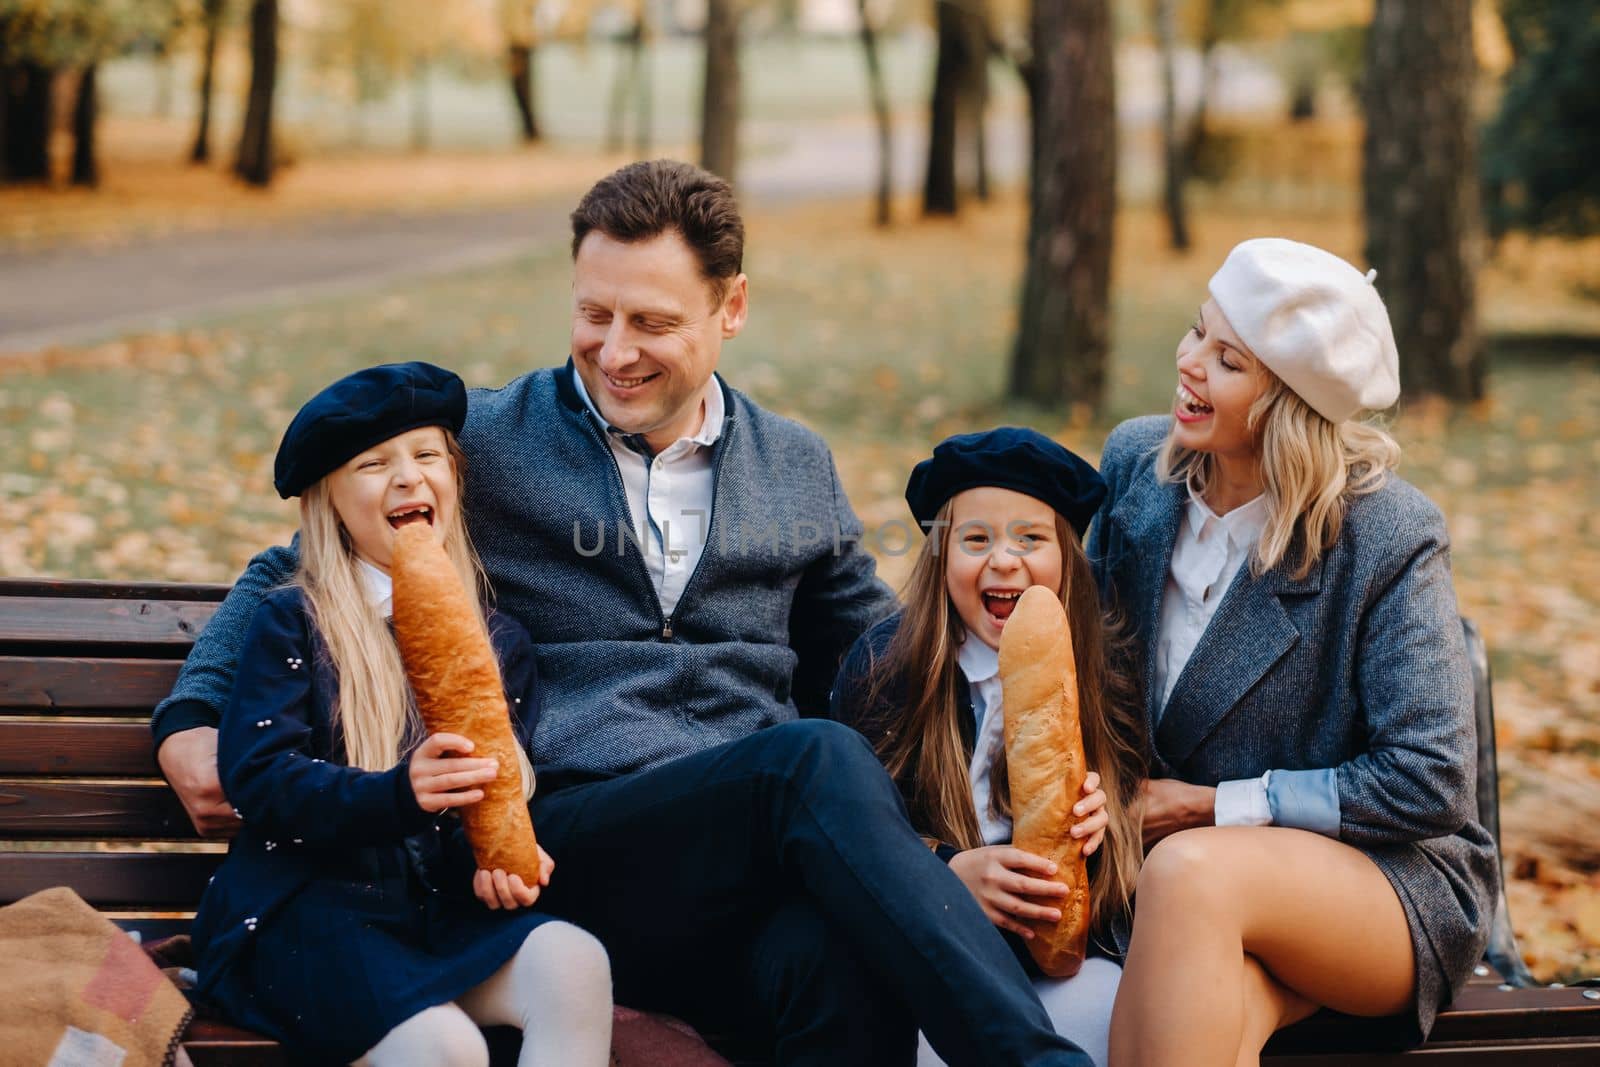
[
  {"x": 1373, "y": 103},
  {"x": 1540, "y": 150}
]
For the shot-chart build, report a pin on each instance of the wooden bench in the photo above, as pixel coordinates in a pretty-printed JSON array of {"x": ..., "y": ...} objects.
[{"x": 82, "y": 805}]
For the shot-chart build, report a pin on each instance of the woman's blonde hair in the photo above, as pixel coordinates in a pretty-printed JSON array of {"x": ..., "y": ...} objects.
[
  {"x": 374, "y": 716},
  {"x": 920, "y": 740},
  {"x": 1310, "y": 468}
]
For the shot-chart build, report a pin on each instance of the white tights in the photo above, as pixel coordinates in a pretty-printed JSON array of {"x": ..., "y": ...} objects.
[
  {"x": 557, "y": 989},
  {"x": 1079, "y": 1008}
]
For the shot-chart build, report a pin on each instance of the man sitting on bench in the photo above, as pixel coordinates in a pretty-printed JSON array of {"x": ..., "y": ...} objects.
[{"x": 686, "y": 563}]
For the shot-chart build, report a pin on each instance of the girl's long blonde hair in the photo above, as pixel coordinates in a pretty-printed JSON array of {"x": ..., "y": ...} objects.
[
  {"x": 920, "y": 740},
  {"x": 374, "y": 716},
  {"x": 1310, "y": 469}
]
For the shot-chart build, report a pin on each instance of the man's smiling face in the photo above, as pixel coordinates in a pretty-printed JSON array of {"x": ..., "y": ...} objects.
[{"x": 647, "y": 331}]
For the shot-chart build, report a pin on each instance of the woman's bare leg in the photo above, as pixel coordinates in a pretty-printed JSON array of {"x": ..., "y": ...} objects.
[
  {"x": 1269, "y": 1005},
  {"x": 1315, "y": 917}
]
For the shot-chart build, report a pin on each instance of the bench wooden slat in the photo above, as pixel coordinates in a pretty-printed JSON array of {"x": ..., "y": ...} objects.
[
  {"x": 104, "y": 590},
  {"x": 151, "y": 881},
  {"x": 1483, "y": 1015},
  {"x": 216, "y": 1044},
  {"x": 1568, "y": 1053},
  {"x": 33, "y": 621},
  {"x": 1491, "y": 1014},
  {"x": 76, "y": 748},
  {"x": 41, "y": 809},
  {"x": 76, "y": 684}
]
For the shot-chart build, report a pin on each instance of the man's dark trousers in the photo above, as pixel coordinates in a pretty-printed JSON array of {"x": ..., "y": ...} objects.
[{"x": 776, "y": 880}]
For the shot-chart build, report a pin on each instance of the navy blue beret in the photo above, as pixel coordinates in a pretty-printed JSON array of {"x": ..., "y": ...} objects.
[
  {"x": 1009, "y": 457},
  {"x": 361, "y": 410}
]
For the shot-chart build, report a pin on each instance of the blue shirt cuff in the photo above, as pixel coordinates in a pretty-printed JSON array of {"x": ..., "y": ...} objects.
[{"x": 1305, "y": 800}]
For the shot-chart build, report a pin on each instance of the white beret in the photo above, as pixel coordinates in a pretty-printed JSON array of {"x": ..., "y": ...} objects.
[{"x": 1315, "y": 321}]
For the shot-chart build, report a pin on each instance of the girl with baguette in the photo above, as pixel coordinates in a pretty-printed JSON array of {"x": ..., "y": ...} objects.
[
  {"x": 1004, "y": 510},
  {"x": 1311, "y": 802},
  {"x": 349, "y": 920}
]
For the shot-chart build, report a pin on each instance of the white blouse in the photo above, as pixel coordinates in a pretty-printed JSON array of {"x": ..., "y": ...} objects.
[
  {"x": 981, "y": 665},
  {"x": 1209, "y": 553}
]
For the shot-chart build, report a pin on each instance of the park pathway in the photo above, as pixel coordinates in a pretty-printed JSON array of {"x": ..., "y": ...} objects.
[{"x": 75, "y": 294}]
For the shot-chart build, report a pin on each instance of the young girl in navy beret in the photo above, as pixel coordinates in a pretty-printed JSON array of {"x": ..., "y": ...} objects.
[
  {"x": 349, "y": 920},
  {"x": 1004, "y": 510}
]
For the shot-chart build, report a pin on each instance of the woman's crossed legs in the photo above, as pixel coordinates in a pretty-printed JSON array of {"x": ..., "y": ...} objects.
[{"x": 1242, "y": 930}]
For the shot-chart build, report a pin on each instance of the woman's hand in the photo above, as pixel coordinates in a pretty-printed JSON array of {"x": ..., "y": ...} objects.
[
  {"x": 1001, "y": 878},
  {"x": 443, "y": 781},
  {"x": 497, "y": 889},
  {"x": 1092, "y": 815},
  {"x": 1171, "y": 805}
]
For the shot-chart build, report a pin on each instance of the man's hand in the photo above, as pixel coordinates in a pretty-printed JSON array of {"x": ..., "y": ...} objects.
[
  {"x": 1171, "y": 805},
  {"x": 189, "y": 761}
]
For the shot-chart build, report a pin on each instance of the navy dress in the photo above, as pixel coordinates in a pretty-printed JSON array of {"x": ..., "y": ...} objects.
[{"x": 343, "y": 908}]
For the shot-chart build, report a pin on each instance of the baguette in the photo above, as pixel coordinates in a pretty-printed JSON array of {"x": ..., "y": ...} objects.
[
  {"x": 456, "y": 678},
  {"x": 1045, "y": 762}
]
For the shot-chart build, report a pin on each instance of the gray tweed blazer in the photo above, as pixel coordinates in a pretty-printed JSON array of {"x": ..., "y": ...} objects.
[{"x": 1360, "y": 666}]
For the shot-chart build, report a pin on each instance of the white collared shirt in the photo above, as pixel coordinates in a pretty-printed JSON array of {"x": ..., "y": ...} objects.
[
  {"x": 1209, "y": 552},
  {"x": 981, "y": 665},
  {"x": 378, "y": 586},
  {"x": 673, "y": 491}
]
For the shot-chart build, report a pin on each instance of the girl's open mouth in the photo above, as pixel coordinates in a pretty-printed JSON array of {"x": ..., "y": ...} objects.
[
  {"x": 1001, "y": 603},
  {"x": 407, "y": 515}
]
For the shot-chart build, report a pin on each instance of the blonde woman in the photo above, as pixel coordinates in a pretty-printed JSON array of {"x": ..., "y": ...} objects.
[
  {"x": 1311, "y": 801},
  {"x": 349, "y": 921}
]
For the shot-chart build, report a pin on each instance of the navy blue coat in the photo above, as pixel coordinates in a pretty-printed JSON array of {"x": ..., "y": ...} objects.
[
  {"x": 342, "y": 908},
  {"x": 1360, "y": 666}
]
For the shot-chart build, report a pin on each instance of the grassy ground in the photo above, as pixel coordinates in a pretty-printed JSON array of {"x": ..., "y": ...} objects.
[{"x": 150, "y": 457}]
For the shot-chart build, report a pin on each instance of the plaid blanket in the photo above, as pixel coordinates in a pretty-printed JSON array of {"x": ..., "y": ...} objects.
[{"x": 79, "y": 992}]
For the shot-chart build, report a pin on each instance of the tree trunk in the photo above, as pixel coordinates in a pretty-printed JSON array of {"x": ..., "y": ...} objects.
[
  {"x": 212, "y": 12},
  {"x": 163, "y": 61},
  {"x": 255, "y": 162},
  {"x": 719, "y": 111},
  {"x": 1166, "y": 33},
  {"x": 939, "y": 185},
  {"x": 421, "y": 111},
  {"x": 1064, "y": 327},
  {"x": 5, "y": 109},
  {"x": 1195, "y": 143},
  {"x": 975, "y": 97},
  {"x": 881, "y": 115},
  {"x": 643, "y": 131},
  {"x": 625, "y": 84},
  {"x": 522, "y": 90},
  {"x": 27, "y": 97},
  {"x": 1420, "y": 185},
  {"x": 85, "y": 169}
]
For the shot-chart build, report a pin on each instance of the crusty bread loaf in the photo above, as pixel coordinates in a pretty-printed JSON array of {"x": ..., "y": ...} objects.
[
  {"x": 1044, "y": 757},
  {"x": 456, "y": 679}
]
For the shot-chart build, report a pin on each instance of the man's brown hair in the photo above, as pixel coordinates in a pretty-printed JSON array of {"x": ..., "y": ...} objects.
[{"x": 646, "y": 199}]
